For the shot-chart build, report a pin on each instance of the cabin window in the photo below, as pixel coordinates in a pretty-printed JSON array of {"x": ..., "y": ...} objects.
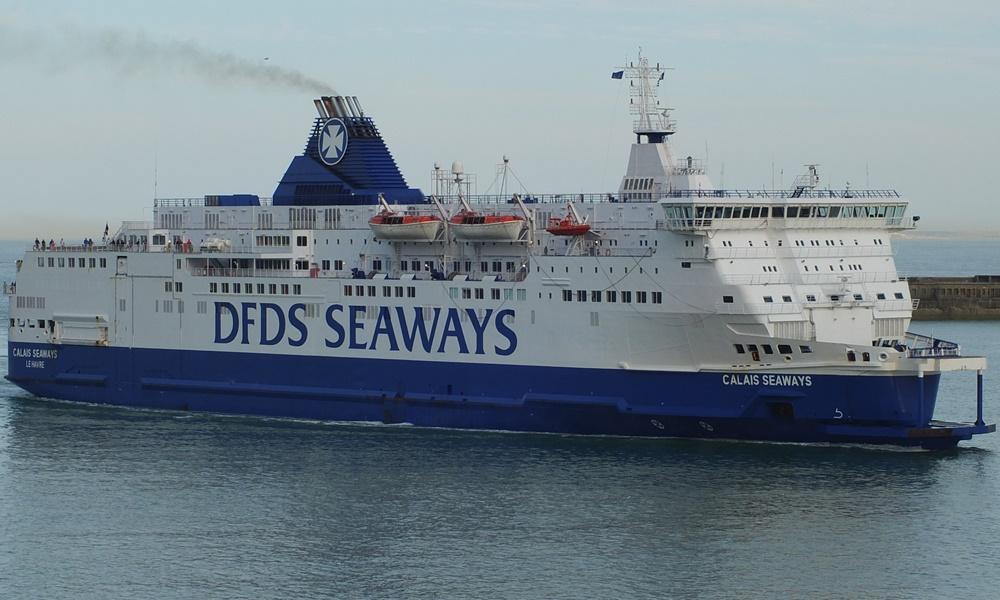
[
  {"x": 411, "y": 292},
  {"x": 168, "y": 286},
  {"x": 727, "y": 299},
  {"x": 767, "y": 349},
  {"x": 880, "y": 296},
  {"x": 595, "y": 295},
  {"x": 581, "y": 295},
  {"x": 806, "y": 349},
  {"x": 338, "y": 265},
  {"x": 810, "y": 298},
  {"x": 640, "y": 297},
  {"x": 260, "y": 289},
  {"x": 899, "y": 295},
  {"x": 495, "y": 294},
  {"x": 768, "y": 299},
  {"x": 657, "y": 297},
  {"x": 466, "y": 293},
  {"x": 784, "y": 349},
  {"x": 479, "y": 293},
  {"x": 399, "y": 291},
  {"x": 685, "y": 265},
  {"x": 786, "y": 298},
  {"x": 301, "y": 241},
  {"x": 52, "y": 262},
  {"x": 626, "y": 296},
  {"x": 567, "y": 295},
  {"x": 371, "y": 291},
  {"x": 739, "y": 348},
  {"x": 858, "y": 297},
  {"x": 272, "y": 288},
  {"x": 611, "y": 296},
  {"x": 359, "y": 290}
]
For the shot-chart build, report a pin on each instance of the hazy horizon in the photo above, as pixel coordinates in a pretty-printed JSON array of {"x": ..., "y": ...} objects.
[{"x": 899, "y": 95}]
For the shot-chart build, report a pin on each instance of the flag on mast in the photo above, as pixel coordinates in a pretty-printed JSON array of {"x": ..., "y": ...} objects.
[{"x": 617, "y": 74}]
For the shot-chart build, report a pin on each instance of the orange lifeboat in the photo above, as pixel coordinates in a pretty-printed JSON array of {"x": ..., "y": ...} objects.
[
  {"x": 393, "y": 226},
  {"x": 471, "y": 225},
  {"x": 569, "y": 225}
]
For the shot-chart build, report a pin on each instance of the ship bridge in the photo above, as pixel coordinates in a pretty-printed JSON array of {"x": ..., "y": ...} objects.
[{"x": 815, "y": 209}]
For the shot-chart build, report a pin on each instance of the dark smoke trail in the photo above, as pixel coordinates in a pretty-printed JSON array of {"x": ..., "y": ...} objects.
[{"x": 133, "y": 54}]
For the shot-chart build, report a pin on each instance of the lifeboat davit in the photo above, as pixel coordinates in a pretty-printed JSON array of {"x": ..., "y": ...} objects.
[
  {"x": 392, "y": 226},
  {"x": 471, "y": 225},
  {"x": 569, "y": 225}
]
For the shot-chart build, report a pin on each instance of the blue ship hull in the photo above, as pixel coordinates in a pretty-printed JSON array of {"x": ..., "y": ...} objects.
[{"x": 857, "y": 409}]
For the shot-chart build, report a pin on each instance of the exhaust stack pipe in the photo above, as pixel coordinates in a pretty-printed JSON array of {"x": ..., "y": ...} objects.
[
  {"x": 331, "y": 110},
  {"x": 320, "y": 109}
]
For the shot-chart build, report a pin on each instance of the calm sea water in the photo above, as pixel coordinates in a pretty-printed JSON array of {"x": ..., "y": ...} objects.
[{"x": 112, "y": 503}]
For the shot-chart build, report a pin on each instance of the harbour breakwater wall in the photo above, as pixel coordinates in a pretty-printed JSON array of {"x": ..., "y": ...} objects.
[{"x": 956, "y": 298}]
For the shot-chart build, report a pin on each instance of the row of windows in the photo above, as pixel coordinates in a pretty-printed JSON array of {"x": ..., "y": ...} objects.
[
  {"x": 248, "y": 288},
  {"x": 480, "y": 293},
  {"x": 875, "y": 242},
  {"x": 387, "y": 291},
  {"x": 850, "y": 267},
  {"x": 72, "y": 262},
  {"x": 274, "y": 240},
  {"x": 812, "y": 298},
  {"x": 768, "y": 349},
  {"x": 656, "y": 270},
  {"x": 802, "y": 243},
  {"x": 873, "y": 211},
  {"x": 641, "y": 297}
]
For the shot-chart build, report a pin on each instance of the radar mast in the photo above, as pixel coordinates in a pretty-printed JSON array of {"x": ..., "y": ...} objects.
[{"x": 651, "y": 119}]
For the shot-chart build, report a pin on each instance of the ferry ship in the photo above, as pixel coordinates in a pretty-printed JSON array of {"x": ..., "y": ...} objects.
[{"x": 668, "y": 308}]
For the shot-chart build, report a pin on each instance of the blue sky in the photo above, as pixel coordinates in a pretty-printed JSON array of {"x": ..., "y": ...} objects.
[{"x": 904, "y": 90}]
